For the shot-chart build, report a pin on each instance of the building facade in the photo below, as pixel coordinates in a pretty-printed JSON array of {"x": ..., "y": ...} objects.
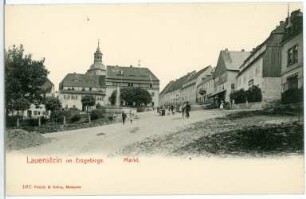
[
  {"x": 292, "y": 53},
  {"x": 225, "y": 74},
  {"x": 137, "y": 77},
  {"x": 263, "y": 67},
  {"x": 205, "y": 88},
  {"x": 172, "y": 94},
  {"x": 190, "y": 88},
  {"x": 74, "y": 86},
  {"x": 101, "y": 81}
]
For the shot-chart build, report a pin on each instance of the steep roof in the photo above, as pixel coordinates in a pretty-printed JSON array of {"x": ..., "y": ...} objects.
[
  {"x": 83, "y": 80},
  {"x": 234, "y": 59},
  {"x": 197, "y": 74},
  {"x": 130, "y": 73},
  {"x": 165, "y": 90},
  {"x": 177, "y": 84}
]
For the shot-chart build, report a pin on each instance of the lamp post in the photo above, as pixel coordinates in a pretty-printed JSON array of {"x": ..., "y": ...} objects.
[{"x": 118, "y": 89}]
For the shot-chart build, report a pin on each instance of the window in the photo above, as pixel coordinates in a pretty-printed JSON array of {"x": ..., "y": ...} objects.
[
  {"x": 152, "y": 94},
  {"x": 251, "y": 82},
  {"x": 232, "y": 86},
  {"x": 292, "y": 55}
]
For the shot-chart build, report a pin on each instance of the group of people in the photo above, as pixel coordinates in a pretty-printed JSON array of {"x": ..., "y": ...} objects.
[
  {"x": 124, "y": 117},
  {"x": 184, "y": 109}
]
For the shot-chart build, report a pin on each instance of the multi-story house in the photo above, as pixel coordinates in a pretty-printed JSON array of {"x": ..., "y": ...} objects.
[
  {"x": 225, "y": 74},
  {"x": 164, "y": 95},
  {"x": 171, "y": 94},
  {"x": 189, "y": 89},
  {"x": 292, "y": 53},
  {"x": 74, "y": 86},
  {"x": 138, "y": 77},
  {"x": 262, "y": 68},
  {"x": 205, "y": 87}
]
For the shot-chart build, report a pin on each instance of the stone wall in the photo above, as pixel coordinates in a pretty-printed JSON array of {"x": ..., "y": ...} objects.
[{"x": 252, "y": 105}]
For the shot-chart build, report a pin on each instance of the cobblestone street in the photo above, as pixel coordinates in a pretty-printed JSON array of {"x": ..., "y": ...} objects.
[{"x": 110, "y": 139}]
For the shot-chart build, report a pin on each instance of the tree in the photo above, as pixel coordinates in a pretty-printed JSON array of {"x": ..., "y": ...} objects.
[
  {"x": 23, "y": 78},
  {"x": 88, "y": 100},
  {"x": 21, "y": 104},
  {"x": 113, "y": 97},
  {"x": 132, "y": 96},
  {"x": 142, "y": 97},
  {"x": 53, "y": 103}
]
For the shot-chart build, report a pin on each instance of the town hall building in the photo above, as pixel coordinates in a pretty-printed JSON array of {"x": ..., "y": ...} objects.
[{"x": 101, "y": 81}]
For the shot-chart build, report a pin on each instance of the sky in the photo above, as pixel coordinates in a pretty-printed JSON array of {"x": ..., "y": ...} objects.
[{"x": 170, "y": 39}]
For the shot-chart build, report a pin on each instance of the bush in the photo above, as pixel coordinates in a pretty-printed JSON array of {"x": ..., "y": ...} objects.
[
  {"x": 44, "y": 120},
  {"x": 31, "y": 122},
  {"x": 140, "y": 109},
  {"x": 11, "y": 121},
  {"x": 238, "y": 96},
  {"x": 110, "y": 117},
  {"x": 58, "y": 115},
  {"x": 75, "y": 118},
  {"x": 292, "y": 96},
  {"x": 97, "y": 113},
  {"x": 253, "y": 94}
]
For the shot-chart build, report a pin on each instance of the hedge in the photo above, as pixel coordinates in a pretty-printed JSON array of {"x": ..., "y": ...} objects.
[
  {"x": 253, "y": 94},
  {"x": 292, "y": 96}
]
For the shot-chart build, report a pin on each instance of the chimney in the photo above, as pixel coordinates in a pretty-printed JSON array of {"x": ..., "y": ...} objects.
[
  {"x": 242, "y": 50},
  {"x": 131, "y": 66},
  {"x": 226, "y": 49},
  {"x": 281, "y": 23}
]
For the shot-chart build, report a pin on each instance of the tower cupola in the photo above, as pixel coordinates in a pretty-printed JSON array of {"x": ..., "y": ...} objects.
[
  {"x": 97, "y": 68},
  {"x": 98, "y": 55}
]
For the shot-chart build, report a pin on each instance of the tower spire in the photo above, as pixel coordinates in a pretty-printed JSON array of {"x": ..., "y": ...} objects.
[{"x": 98, "y": 48}]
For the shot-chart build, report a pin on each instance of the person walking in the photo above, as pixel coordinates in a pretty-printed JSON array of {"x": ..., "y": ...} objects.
[
  {"x": 188, "y": 108},
  {"x": 183, "y": 109},
  {"x": 123, "y": 117},
  {"x": 172, "y": 109},
  {"x": 131, "y": 116}
]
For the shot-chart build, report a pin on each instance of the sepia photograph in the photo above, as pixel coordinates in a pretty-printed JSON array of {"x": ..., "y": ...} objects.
[{"x": 153, "y": 98}]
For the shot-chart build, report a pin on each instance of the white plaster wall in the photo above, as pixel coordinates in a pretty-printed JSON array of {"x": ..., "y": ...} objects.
[
  {"x": 253, "y": 72},
  {"x": 69, "y": 103},
  {"x": 271, "y": 89}
]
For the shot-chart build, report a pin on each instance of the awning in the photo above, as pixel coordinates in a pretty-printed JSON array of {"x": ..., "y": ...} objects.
[{"x": 217, "y": 93}]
